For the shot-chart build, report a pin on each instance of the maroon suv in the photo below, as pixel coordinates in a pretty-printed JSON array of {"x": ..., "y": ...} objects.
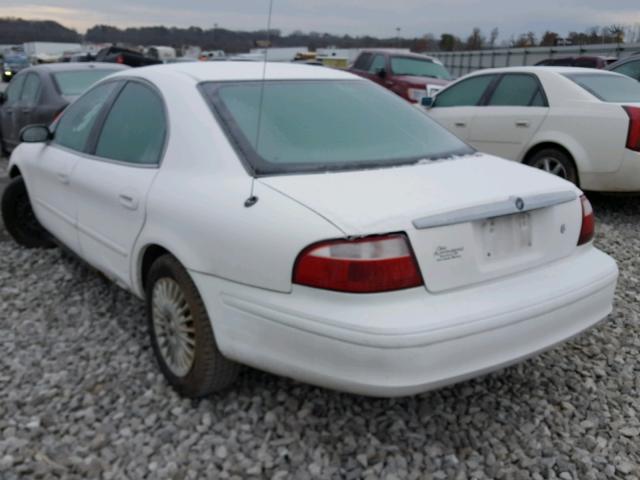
[{"x": 410, "y": 75}]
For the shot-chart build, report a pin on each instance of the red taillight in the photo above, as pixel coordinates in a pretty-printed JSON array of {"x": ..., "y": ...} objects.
[
  {"x": 120, "y": 59},
  {"x": 633, "y": 137},
  {"x": 368, "y": 265},
  {"x": 588, "y": 222}
]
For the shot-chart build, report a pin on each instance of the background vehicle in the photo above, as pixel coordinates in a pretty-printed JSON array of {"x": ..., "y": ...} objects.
[
  {"x": 12, "y": 65},
  {"x": 583, "y": 62},
  {"x": 164, "y": 54},
  {"x": 379, "y": 254},
  {"x": 409, "y": 75},
  {"x": 39, "y": 93},
  {"x": 581, "y": 124},
  {"x": 628, "y": 66},
  {"x": 125, "y": 56}
]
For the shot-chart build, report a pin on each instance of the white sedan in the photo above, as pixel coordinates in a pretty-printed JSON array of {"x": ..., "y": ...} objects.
[
  {"x": 580, "y": 124},
  {"x": 313, "y": 225}
]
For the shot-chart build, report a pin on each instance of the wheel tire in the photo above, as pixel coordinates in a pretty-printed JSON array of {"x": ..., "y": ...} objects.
[
  {"x": 209, "y": 370},
  {"x": 555, "y": 162},
  {"x": 19, "y": 219}
]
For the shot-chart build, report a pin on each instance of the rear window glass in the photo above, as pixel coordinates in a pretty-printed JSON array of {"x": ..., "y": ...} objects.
[
  {"x": 326, "y": 125},
  {"x": 608, "y": 87},
  {"x": 75, "y": 82}
]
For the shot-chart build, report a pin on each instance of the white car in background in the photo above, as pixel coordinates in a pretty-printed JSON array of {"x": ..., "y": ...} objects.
[
  {"x": 580, "y": 124},
  {"x": 313, "y": 225}
]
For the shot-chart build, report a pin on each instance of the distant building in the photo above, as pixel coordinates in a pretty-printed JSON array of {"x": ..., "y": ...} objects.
[{"x": 34, "y": 49}]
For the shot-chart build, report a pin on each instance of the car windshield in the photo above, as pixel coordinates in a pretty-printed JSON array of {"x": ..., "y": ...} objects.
[
  {"x": 325, "y": 125},
  {"x": 72, "y": 83},
  {"x": 608, "y": 87},
  {"x": 418, "y": 67}
]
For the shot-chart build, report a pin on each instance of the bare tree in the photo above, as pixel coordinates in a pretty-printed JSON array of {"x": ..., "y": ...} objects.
[
  {"x": 617, "y": 33},
  {"x": 476, "y": 40},
  {"x": 493, "y": 37}
]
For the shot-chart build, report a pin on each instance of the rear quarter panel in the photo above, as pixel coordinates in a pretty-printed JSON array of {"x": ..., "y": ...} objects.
[
  {"x": 195, "y": 207},
  {"x": 594, "y": 133}
]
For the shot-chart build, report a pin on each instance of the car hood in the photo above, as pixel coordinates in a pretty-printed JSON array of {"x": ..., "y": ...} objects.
[
  {"x": 413, "y": 80},
  {"x": 365, "y": 202}
]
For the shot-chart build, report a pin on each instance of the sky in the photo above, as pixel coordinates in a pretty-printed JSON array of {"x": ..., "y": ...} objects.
[{"x": 355, "y": 17}]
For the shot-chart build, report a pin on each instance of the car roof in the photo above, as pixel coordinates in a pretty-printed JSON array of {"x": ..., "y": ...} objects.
[
  {"x": 228, "y": 71},
  {"x": 542, "y": 68},
  {"x": 394, "y": 51},
  {"x": 75, "y": 66}
]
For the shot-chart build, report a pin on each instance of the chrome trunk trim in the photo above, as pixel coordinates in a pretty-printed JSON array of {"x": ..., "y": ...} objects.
[{"x": 508, "y": 206}]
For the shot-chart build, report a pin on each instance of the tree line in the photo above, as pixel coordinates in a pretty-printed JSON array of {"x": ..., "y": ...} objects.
[{"x": 16, "y": 31}]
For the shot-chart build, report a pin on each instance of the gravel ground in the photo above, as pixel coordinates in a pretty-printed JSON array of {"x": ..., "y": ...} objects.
[{"x": 81, "y": 397}]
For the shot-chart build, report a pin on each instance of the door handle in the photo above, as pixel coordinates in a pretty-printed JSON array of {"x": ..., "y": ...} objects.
[
  {"x": 63, "y": 177},
  {"x": 460, "y": 124},
  {"x": 128, "y": 200},
  {"x": 26, "y": 110},
  {"x": 522, "y": 123}
]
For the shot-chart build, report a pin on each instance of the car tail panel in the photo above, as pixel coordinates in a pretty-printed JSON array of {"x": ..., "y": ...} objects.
[{"x": 453, "y": 255}]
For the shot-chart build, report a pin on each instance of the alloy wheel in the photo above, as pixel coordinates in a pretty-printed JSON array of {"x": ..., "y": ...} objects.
[
  {"x": 174, "y": 326},
  {"x": 551, "y": 165}
]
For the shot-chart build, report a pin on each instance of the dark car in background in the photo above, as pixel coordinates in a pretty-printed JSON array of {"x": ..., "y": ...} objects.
[
  {"x": 584, "y": 62},
  {"x": 629, "y": 66},
  {"x": 410, "y": 75},
  {"x": 38, "y": 94},
  {"x": 125, "y": 56},
  {"x": 12, "y": 65}
]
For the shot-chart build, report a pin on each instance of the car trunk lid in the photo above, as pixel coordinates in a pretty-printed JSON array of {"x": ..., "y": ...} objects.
[{"x": 469, "y": 220}]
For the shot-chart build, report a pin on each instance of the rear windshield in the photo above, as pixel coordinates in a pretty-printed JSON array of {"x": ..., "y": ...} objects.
[
  {"x": 608, "y": 87},
  {"x": 75, "y": 82},
  {"x": 418, "y": 67},
  {"x": 326, "y": 125}
]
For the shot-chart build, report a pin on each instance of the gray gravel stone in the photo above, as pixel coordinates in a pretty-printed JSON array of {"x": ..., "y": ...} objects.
[{"x": 81, "y": 396}]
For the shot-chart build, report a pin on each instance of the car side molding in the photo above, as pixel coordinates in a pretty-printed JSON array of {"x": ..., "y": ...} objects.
[{"x": 508, "y": 206}]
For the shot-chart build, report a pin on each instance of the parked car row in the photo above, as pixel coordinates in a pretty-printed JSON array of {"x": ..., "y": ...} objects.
[
  {"x": 307, "y": 222},
  {"x": 580, "y": 124},
  {"x": 409, "y": 75},
  {"x": 12, "y": 65},
  {"x": 38, "y": 94}
]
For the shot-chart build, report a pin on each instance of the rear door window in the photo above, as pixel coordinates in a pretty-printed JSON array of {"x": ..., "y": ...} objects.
[
  {"x": 135, "y": 128},
  {"x": 15, "y": 89},
  {"x": 468, "y": 92},
  {"x": 31, "y": 90},
  {"x": 517, "y": 90}
]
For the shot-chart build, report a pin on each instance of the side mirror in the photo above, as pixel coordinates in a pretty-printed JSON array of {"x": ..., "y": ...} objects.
[
  {"x": 35, "y": 134},
  {"x": 381, "y": 72},
  {"x": 427, "y": 102},
  {"x": 3, "y": 98}
]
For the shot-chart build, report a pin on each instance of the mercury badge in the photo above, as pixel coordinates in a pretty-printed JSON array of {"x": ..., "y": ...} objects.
[{"x": 519, "y": 203}]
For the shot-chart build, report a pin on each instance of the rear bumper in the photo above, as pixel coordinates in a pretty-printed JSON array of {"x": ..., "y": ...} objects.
[
  {"x": 410, "y": 341},
  {"x": 625, "y": 180}
]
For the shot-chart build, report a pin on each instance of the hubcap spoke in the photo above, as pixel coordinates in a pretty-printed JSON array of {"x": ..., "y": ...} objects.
[
  {"x": 552, "y": 166},
  {"x": 174, "y": 326}
]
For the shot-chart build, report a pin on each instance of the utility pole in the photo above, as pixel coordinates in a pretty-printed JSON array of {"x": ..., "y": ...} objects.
[
  {"x": 213, "y": 41},
  {"x": 398, "y": 29}
]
